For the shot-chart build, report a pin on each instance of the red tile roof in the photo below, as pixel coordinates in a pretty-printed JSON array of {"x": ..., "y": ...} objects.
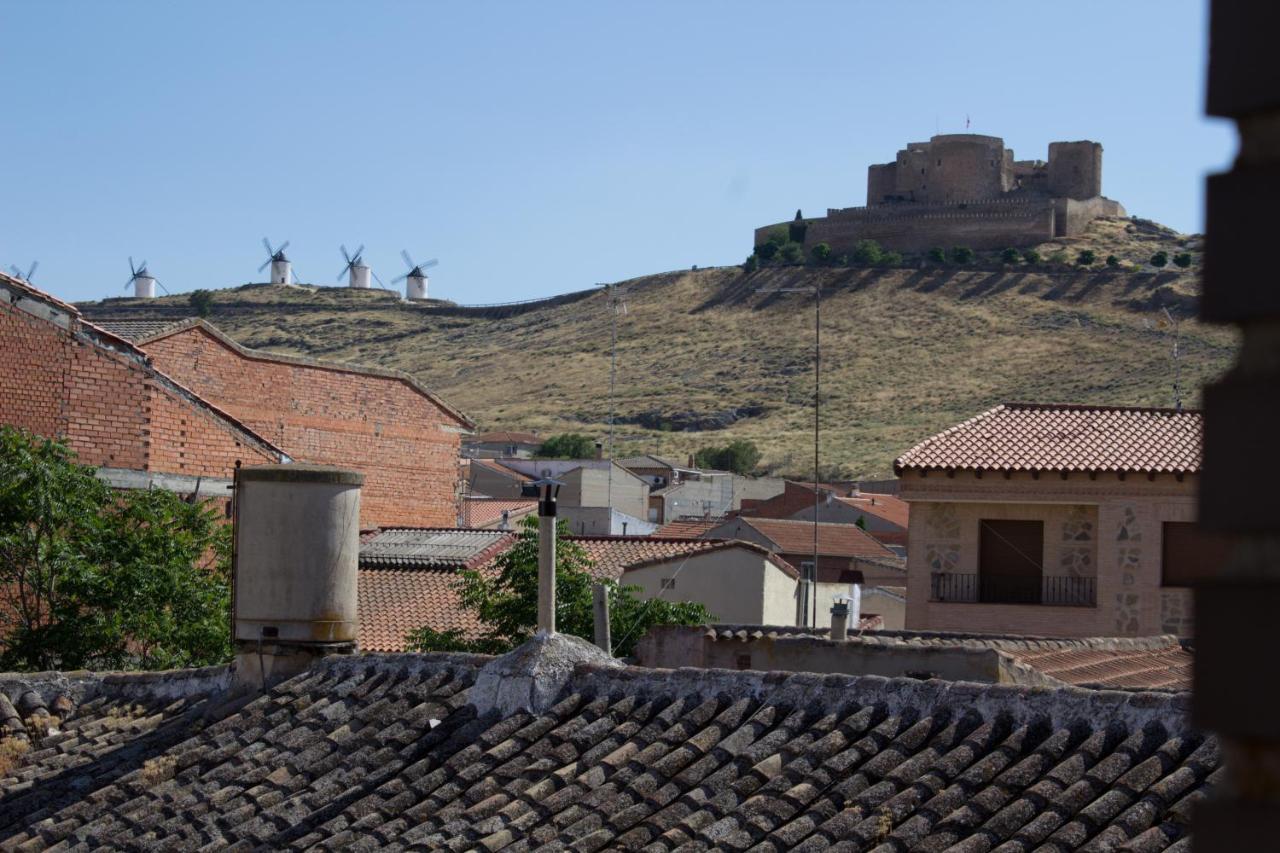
[
  {"x": 431, "y": 547},
  {"x": 687, "y": 528},
  {"x": 487, "y": 512},
  {"x": 889, "y": 508},
  {"x": 393, "y": 602},
  {"x": 1054, "y": 437},
  {"x": 796, "y": 537},
  {"x": 1165, "y": 668},
  {"x": 499, "y": 468},
  {"x": 720, "y": 545},
  {"x": 613, "y": 554}
]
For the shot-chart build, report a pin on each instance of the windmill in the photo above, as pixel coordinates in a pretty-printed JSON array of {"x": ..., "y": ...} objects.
[
  {"x": 143, "y": 282},
  {"x": 357, "y": 270},
  {"x": 281, "y": 269},
  {"x": 416, "y": 277},
  {"x": 17, "y": 273}
]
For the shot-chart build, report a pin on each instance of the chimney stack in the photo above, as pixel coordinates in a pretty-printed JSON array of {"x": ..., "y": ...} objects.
[
  {"x": 840, "y": 621},
  {"x": 599, "y": 450},
  {"x": 297, "y": 548}
]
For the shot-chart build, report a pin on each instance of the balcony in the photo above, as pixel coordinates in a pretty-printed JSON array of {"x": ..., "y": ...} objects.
[{"x": 1048, "y": 590}]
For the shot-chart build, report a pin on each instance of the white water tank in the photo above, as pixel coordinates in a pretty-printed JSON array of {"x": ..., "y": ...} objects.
[
  {"x": 281, "y": 271},
  {"x": 359, "y": 277},
  {"x": 297, "y": 551},
  {"x": 144, "y": 287},
  {"x": 416, "y": 287}
]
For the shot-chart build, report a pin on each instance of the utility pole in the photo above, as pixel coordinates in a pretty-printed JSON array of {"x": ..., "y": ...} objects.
[
  {"x": 811, "y": 614},
  {"x": 613, "y": 380},
  {"x": 1177, "y": 359}
]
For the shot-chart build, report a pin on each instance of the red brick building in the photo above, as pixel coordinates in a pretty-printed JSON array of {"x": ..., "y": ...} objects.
[
  {"x": 382, "y": 422},
  {"x": 63, "y": 377}
]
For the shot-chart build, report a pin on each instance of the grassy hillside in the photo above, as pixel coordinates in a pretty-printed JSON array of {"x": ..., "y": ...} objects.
[{"x": 906, "y": 352}]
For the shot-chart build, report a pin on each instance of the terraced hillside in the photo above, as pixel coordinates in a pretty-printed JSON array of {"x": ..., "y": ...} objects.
[{"x": 705, "y": 356}]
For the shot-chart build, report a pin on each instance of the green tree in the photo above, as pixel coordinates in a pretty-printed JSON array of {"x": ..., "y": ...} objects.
[
  {"x": 961, "y": 254},
  {"x": 1059, "y": 258},
  {"x": 739, "y": 456},
  {"x": 1031, "y": 256},
  {"x": 751, "y": 264},
  {"x": 1010, "y": 256},
  {"x": 570, "y": 445},
  {"x": 937, "y": 254},
  {"x": 201, "y": 302},
  {"x": 867, "y": 253},
  {"x": 95, "y": 579},
  {"x": 792, "y": 253},
  {"x": 507, "y": 603},
  {"x": 1113, "y": 261},
  {"x": 1086, "y": 258},
  {"x": 767, "y": 251},
  {"x": 797, "y": 229},
  {"x": 1182, "y": 260},
  {"x": 890, "y": 259},
  {"x": 1159, "y": 259},
  {"x": 821, "y": 252}
]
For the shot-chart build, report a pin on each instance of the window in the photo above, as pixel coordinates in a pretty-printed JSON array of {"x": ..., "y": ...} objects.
[
  {"x": 1010, "y": 561},
  {"x": 1190, "y": 554}
]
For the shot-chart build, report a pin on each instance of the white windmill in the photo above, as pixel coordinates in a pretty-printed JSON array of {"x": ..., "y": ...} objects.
[
  {"x": 416, "y": 278},
  {"x": 281, "y": 269},
  {"x": 357, "y": 271},
  {"x": 143, "y": 283}
]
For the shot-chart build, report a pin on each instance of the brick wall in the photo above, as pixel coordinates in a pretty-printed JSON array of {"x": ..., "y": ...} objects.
[
  {"x": 110, "y": 407},
  {"x": 406, "y": 445}
]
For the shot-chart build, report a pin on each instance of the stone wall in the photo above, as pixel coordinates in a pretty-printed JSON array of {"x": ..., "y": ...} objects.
[
  {"x": 918, "y": 228},
  {"x": 1075, "y": 169}
]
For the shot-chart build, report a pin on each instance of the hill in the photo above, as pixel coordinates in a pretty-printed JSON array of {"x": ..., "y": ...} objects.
[{"x": 705, "y": 356}]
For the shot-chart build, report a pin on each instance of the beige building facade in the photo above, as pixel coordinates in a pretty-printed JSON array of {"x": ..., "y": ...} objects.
[{"x": 736, "y": 582}]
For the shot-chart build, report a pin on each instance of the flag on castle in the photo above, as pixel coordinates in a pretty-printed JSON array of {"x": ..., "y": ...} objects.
[{"x": 966, "y": 121}]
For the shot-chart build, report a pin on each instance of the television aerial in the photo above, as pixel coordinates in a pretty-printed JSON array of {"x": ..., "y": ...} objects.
[{"x": 17, "y": 273}]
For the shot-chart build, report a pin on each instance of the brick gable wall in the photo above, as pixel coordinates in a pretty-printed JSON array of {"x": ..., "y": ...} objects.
[
  {"x": 406, "y": 445},
  {"x": 113, "y": 411}
]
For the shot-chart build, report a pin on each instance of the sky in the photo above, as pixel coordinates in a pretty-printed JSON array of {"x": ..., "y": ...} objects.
[{"x": 540, "y": 148}]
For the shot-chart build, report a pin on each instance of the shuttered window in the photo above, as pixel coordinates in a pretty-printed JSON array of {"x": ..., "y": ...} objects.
[{"x": 1191, "y": 554}]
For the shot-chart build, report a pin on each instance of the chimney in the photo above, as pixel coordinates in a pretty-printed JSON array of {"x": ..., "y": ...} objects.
[
  {"x": 297, "y": 549},
  {"x": 506, "y": 520},
  {"x": 840, "y": 621},
  {"x": 690, "y": 460},
  {"x": 599, "y": 449}
]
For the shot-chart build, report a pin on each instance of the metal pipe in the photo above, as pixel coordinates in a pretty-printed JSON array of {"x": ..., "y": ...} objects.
[
  {"x": 546, "y": 573},
  {"x": 600, "y": 600}
]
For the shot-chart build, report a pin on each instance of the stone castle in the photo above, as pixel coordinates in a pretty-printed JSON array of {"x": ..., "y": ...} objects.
[{"x": 965, "y": 189}]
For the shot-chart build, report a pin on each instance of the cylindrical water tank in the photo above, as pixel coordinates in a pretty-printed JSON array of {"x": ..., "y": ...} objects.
[
  {"x": 281, "y": 272},
  {"x": 297, "y": 551},
  {"x": 416, "y": 287},
  {"x": 144, "y": 287},
  {"x": 359, "y": 277}
]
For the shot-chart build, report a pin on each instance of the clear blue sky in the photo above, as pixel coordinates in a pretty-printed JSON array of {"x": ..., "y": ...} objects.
[{"x": 537, "y": 148}]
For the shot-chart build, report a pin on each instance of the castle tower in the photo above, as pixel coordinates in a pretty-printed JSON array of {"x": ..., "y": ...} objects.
[
  {"x": 1075, "y": 169},
  {"x": 965, "y": 167}
]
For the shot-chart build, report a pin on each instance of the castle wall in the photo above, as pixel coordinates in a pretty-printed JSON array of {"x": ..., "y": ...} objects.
[
  {"x": 1072, "y": 216},
  {"x": 912, "y": 172},
  {"x": 964, "y": 166},
  {"x": 882, "y": 181},
  {"x": 1075, "y": 169}
]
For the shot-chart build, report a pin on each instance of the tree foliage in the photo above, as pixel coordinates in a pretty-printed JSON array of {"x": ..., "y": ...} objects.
[
  {"x": 1159, "y": 259},
  {"x": 1113, "y": 261},
  {"x": 1031, "y": 256},
  {"x": 821, "y": 252},
  {"x": 507, "y": 602},
  {"x": 867, "y": 253},
  {"x": 792, "y": 253},
  {"x": 751, "y": 264},
  {"x": 739, "y": 456},
  {"x": 961, "y": 254},
  {"x": 95, "y": 579},
  {"x": 938, "y": 255},
  {"x": 1182, "y": 260},
  {"x": 1010, "y": 256},
  {"x": 569, "y": 445},
  {"x": 201, "y": 302},
  {"x": 1086, "y": 258}
]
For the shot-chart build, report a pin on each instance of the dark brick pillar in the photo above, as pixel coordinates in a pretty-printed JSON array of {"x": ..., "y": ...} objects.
[{"x": 1237, "y": 679}]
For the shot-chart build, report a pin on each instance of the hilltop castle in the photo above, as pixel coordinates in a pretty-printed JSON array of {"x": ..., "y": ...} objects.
[{"x": 964, "y": 189}]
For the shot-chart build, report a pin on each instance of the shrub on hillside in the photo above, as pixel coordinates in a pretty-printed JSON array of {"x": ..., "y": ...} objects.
[
  {"x": 1031, "y": 256},
  {"x": 1010, "y": 256},
  {"x": 867, "y": 253},
  {"x": 201, "y": 302},
  {"x": 767, "y": 251},
  {"x": 890, "y": 259},
  {"x": 1182, "y": 260},
  {"x": 792, "y": 253},
  {"x": 570, "y": 445},
  {"x": 1060, "y": 258},
  {"x": 1086, "y": 258},
  {"x": 751, "y": 264},
  {"x": 1113, "y": 261},
  {"x": 821, "y": 252},
  {"x": 937, "y": 254},
  {"x": 1159, "y": 259},
  {"x": 961, "y": 254},
  {"x": 739, "y": 456}
]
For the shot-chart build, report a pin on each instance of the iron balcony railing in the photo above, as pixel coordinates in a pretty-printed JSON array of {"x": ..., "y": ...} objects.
[{"x": 1057, "y": 591}]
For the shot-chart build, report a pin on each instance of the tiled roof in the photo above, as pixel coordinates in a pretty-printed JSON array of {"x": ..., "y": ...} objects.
[
  {"x": 796, "y": 537},
  {"x": 499, "y": 468},
  {"x": 613, "y": 554},
  {"x": 648, "y": 460},
  {"x": 1045, "y": 437},
  {"x": 721, "y": 545},
  {"x": 687, "y": 528},
  {"x": 888, "y": 508},
  {"x": 431, "y": 547},
  {"x": 487, "y": 512},
  {"x": 393, "y": 602},
  {"x": 138, "y": 330},
  {"x": 383, "y": 751}
]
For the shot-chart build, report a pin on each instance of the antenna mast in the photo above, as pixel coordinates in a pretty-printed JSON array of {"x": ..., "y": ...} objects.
[{"x": 1177, "y": 359}]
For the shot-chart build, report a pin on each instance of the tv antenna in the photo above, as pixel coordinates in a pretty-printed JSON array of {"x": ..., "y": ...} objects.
[
  {"x": 1170, "y": 320},
  {"x": 17, "y": 273}
]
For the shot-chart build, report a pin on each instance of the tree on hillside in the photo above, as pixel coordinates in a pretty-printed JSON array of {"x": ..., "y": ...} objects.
[
  {"x": 201, "y": 302},
  {"x": 507, "y": 603},
  {"x": 1010, "y": 256},
  {"x": 739, "y": 456},
  {"x": 792, "y": 253},
  {"x": 751, "y": 264},
  {"x": 90, "y": 578},
  {"x": 821, "y": 252},
  {"x": 937, "y": 254},
  {"x": 1113, "y": 261},
  {"x": 1182, "y": 260},
  {"x": 1031, "y": 256},
  {"x": 961, "y": 254},
  {"x": 867, "y": 253},
  {"x": 570, "y": 445},
  {"x": 1059, "y": 258},
  {"x": 890, "y": 259},
  {"x": 1086, "y": 257},
  {"x": 1159, "y": 259},
  {"x": 767, "y": 251},
  {"x": 797, "y": 229}
]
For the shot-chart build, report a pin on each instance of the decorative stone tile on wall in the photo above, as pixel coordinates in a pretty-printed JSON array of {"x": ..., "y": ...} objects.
[
  {"x": 1126, "y": 613},
  {"x": 942, "y": 557},
  {"x": 1078, "y": 526},
  {"x": 1129, "y": 531},
  {"x": 944, "y": 522},
  {"x": 1128, "y": 562},
  {"x": 1175, "y": 612},
  {"x": 1076, "y": 558},
  {"x": 1076, "y": 562}
]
